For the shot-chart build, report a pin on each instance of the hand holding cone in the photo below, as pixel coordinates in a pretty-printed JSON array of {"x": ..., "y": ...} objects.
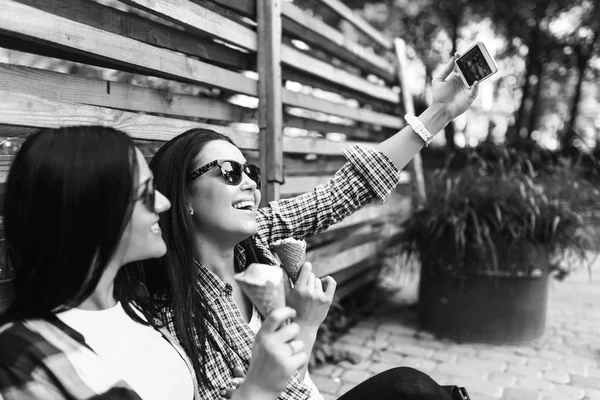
[
  {"x": 264, "y": 286},
  {"x": 292, "y": 254}
]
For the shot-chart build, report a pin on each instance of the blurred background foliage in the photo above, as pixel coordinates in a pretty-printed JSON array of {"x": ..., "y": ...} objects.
[{"x": 548, "y": 52}]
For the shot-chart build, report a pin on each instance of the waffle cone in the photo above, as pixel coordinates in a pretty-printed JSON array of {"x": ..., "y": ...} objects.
[
  {"x": 292, "y": 254},
  {"x": 266, "y": 294}
]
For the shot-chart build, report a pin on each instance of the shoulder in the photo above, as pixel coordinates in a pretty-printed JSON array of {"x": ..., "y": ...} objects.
[
  {"x": 24, "y": 341},
  {"x": 24, "y": 352}
]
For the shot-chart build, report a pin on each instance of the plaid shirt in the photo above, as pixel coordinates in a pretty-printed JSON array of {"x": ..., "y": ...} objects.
[
  {"x": 47, "y": 359},
  {"x": 368, "y": 174}
]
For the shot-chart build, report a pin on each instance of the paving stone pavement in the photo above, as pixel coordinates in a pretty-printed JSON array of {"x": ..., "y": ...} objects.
[{"x": 564, "y": 364}]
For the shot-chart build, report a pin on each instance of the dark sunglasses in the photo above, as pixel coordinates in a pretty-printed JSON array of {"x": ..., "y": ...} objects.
[
  {"x": 231, "y": 171},
  {"x": 148, "y": 195}
]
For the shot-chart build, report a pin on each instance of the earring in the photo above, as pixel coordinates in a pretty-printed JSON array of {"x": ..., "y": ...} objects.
[{"x": 191, "y": 211}]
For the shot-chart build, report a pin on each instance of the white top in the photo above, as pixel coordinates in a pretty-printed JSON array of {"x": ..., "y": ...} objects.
[
  {"x": 255, "y": 323},
  {"x": 136, "y": 352}
]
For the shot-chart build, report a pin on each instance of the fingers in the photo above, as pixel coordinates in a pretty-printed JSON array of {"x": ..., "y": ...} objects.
[
  {"x": 238, "y": 372},
  {"x": 277, "y": 318},
  {"x": 304, "y": 274},
  {"x": 318, "y": 285},
  {"x": 474, "y": 90},
  {"x": 287, "y": 332},
  {"x": 330, "y": 286},
  {"x": 447, "y": 70},
  {"x": 311, "y": 281}
]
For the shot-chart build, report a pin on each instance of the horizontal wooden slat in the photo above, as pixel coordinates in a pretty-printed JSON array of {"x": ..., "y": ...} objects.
[
  {"x": 357, "y": 283},
  {"x": 72, "y": 88},
  {"x": 317, "y": 33},
  {"x": 200, "y": 20},
  {"x": 54, "y": 31},
  {"x": 325, "y": 127},
  {"x": 143, "y": 29},
  {"x": 346, "y": 275},
  {"x": 308, "y": 64},
  {"x": 358, "y": 114},
  {"x": 32, "y": 111},
  {"x": 329, "y": 265},
  {"x": 343, "y": 11},
  {"x": 314, "y": 81}
]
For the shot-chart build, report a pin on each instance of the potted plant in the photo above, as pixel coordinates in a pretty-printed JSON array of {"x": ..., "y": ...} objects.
[{"x": 488, "y": 238}]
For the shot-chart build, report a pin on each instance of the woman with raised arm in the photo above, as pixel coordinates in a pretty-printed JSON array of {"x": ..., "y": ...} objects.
[
  {"x": 80, "y": 204},
  {"x": 215, "y": 230}
]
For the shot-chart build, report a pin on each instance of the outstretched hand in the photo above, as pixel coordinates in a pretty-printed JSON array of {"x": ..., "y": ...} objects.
[{"x": 450, "y": 92}]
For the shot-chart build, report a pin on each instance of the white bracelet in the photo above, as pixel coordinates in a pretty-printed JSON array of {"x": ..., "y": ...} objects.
[{"x": 419, "y": 128}]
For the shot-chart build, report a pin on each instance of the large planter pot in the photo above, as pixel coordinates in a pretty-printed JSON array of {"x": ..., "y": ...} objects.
[{"x": 498, "y": 308}]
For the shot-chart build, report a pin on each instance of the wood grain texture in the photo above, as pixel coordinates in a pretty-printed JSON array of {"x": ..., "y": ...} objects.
[
  {"x": 98, "y": 92},
  {"x": 343, "y": 11},
  {"x": 62, "y": 33}
]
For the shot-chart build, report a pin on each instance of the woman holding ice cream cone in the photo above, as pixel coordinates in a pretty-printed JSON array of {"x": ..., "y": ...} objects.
[{"x": 215, "y": 230}]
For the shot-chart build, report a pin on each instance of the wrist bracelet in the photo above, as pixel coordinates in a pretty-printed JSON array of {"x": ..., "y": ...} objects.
[{"x": 419, "y": 128}]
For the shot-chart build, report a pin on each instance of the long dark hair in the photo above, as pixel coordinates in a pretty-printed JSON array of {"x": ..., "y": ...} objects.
[
  {"x": 173, "y": 276},
  {"x": 67, "y": 203}
]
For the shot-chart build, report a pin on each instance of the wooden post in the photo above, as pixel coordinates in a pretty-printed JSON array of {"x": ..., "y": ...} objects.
[
  {"x": 416, "y": 166},
  {"x": 270, "y": 109}
]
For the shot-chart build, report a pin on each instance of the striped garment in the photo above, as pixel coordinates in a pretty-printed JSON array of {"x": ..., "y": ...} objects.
[
  {"x": 369, "y": 174},
  {"x": 47, "y": 359}
]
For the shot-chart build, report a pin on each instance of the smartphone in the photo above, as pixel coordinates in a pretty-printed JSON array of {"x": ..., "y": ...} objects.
[{"x": 476, "y": 64}]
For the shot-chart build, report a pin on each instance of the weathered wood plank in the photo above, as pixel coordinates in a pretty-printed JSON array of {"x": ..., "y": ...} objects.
[
  {"x": 344, "y": 276},
  {"x": 270, "y": 108},
  {"x": 143, "y": 29},
  {"x": 317, "y": 33},
  {"x": 315, "y": 81},
  {"x": 343, "y": 11},
  {"x": 200, "y": 20},
  {"x": 31, "y": 111},
  {"x": 358, "y": 282},
  {"x": 358, "y": 114},
  {"x": 307, "y": 64},
  {"x": 330, "y": 265},
  {"x": 76, "y": 89},
  {"x": 205, "y": 21},
  {"x": 54, "y": 31}
]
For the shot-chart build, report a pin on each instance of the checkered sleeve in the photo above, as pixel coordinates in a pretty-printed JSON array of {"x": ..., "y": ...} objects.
[
  {"x": 367, "y": 175},
  {"x": 36, "y": 362}
]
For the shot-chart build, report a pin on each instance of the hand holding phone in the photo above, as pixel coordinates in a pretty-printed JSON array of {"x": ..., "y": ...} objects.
[{"x": 476, "y": 64}]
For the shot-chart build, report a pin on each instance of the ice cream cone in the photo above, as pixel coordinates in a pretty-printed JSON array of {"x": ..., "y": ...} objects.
[
  {"x": 292, "y": 254},
  {"x": 264, "y": 286}
]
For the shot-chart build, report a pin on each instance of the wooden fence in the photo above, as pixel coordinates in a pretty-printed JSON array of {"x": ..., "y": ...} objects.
[{"x": 276, "y": 79}]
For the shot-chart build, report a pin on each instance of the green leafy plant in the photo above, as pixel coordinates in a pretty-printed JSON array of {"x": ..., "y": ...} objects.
[{"x": 498, "y": 207}]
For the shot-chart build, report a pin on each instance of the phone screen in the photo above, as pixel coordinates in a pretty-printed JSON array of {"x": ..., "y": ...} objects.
[{"x": 473, "y": 65}]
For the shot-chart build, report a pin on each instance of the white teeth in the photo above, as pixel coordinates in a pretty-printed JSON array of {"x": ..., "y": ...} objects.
[
  {"x": 244, "y": 204},
  {"x": 155, "y": 227}
]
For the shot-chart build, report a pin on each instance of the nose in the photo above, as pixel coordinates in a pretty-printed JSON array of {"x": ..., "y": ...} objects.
[
  {"x": 247, "y": 182},
  {"x": 161, "y": 203}
]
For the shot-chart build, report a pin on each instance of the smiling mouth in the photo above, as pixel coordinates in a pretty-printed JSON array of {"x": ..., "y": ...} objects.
[
  {"x": 155, "y": 228},
  {"x": 244, "y": 206}
]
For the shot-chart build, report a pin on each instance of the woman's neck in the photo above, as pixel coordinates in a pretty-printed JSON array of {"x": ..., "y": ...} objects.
[
  {"x": 216, "y": 257},
  {"x": 103, "y": 296}
]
